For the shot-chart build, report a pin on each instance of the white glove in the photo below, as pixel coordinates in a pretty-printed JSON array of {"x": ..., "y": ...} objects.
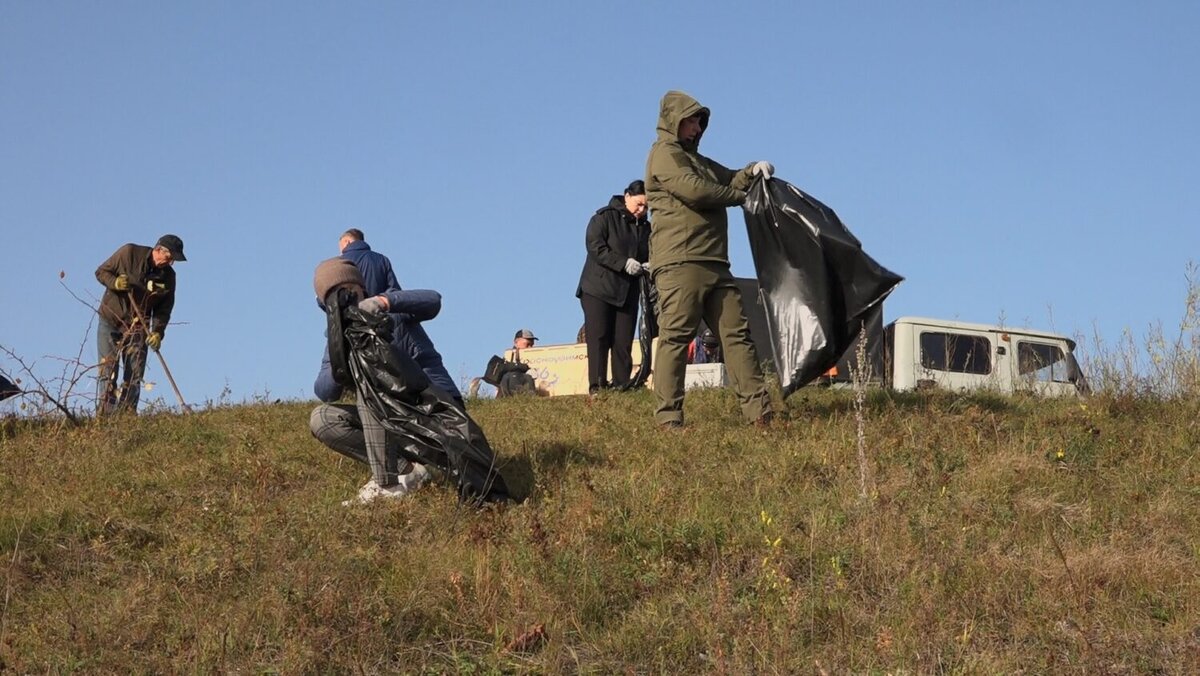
[
  {"x": 764, "y": 169},
  {"x": 632, "y": 267},
  {"x": 374, "y": 305},
  {"x": 646, "y": 267}
]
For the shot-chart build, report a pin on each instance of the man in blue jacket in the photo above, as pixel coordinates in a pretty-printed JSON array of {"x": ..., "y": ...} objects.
[
  {"x": 375, "y": 268},
  {"x": 407, "y": 312}
]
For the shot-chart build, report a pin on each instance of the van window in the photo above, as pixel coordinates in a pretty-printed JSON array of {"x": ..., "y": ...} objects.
[
  {"x": 956, "y": 352},
  {"x": 1043, "y": 363}
]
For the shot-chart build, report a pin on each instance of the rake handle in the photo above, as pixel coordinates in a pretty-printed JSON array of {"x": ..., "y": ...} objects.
[{"x": 162, "y": 360}]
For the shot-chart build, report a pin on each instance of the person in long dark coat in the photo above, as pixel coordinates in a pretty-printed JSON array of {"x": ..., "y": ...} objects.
[{"x": 617, "y": 251}]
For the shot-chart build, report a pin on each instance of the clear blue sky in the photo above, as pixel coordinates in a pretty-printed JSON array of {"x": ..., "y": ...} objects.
[{"x": 1024, "y": 160}]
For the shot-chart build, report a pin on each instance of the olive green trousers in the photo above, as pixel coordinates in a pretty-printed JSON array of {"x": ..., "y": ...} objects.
[{"x": 687, "y": 293}]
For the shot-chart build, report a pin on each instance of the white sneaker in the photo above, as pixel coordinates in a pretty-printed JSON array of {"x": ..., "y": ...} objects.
[
  {"x": 372, "y": 491},
  {"x": 417, "y": 477}
]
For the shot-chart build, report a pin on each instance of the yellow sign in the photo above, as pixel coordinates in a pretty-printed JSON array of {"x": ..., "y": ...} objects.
[{"x": 562, "y": 369}]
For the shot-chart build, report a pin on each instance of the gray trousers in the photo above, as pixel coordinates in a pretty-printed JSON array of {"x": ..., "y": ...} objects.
[
  {"x": 116, "y": 348},
  {"x": 355, "y": 432}
]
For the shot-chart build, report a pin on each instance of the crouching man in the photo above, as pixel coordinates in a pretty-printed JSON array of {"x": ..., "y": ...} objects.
[{"x": 399, "y": 414}]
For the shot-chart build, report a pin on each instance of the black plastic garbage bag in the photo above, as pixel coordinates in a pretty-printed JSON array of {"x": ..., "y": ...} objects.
[
  {"x": 647, "y": 330},
  {"x": 432, "y": 428},
  {"x": 8, "y": 389},
  {"x": 816, "y": 283}
]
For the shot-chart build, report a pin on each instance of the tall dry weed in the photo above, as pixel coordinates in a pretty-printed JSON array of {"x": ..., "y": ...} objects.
[{"x": 1163, "y": 364}]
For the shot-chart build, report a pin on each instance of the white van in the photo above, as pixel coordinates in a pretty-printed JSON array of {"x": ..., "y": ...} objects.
[{"x": 920, "y": 353}]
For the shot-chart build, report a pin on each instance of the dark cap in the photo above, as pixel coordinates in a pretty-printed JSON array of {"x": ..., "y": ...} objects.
[
  {"x": 174, "y": 245},
  {"x": 708, "y": 339},
  {"x": 525, "y": 333}
]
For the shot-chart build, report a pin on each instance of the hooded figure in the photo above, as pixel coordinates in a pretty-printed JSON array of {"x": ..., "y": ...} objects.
[{"x": 688, "y": 194}]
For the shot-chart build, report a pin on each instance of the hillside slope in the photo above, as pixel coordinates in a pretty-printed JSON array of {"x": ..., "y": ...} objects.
[{"x": 1000, "y": 535}]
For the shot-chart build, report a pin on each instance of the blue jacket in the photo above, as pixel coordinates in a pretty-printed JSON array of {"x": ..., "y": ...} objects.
[
  {"x": 375, "y": 268},
  {"x": 407, "y": 309}
]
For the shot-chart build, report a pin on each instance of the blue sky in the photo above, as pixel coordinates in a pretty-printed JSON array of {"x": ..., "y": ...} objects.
[{"x": 1020, "y": 160}]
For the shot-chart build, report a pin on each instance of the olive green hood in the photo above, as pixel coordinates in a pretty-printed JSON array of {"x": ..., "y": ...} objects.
[
  {"x": 674, "y": 108},
  {"x": 687, "y": 192}
]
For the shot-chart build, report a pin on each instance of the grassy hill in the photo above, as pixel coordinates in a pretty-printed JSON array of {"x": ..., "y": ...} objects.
[{"x": 998, "y": 535}]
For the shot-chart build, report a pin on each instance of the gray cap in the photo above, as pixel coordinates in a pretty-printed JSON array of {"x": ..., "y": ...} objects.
[{"x": 525, "y": 333}]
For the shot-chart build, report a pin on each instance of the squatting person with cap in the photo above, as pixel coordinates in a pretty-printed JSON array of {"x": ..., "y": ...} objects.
[
  {"x": 139, "y": 295},
  {"x": 705, "y": 349},
  {"x": 516, "y": 380},
  {"x": 688, "y": 194},
  {"x": 523, "y": 339}
]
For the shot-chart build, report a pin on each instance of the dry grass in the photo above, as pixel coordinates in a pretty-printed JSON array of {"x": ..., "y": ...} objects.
[
  {"x": 1161, "y": 362},
  {"x": 1004, "y": 535}
]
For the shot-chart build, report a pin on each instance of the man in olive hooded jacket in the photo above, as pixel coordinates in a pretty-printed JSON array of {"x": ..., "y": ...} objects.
[{"x": 689, "y": 258}]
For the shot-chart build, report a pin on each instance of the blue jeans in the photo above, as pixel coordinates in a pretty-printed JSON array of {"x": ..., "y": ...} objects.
[{"x": 119, "y": 348}]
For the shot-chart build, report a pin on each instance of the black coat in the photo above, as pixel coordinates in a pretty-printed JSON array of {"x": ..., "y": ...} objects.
[{"x": 613, "y": 237}]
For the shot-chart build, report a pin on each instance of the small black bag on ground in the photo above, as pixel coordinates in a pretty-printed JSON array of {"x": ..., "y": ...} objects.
[
  {"x": 509, "y": 377},
  {"x": 516, "y": 382}
]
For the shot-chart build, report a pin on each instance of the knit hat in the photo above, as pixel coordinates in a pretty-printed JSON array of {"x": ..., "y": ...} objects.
[{"x": 333, "y": 273}]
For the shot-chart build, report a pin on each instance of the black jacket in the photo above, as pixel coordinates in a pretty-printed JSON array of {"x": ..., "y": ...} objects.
[
  {"x": 613, "y": 236},
  {"x": 136, "y": 263}
]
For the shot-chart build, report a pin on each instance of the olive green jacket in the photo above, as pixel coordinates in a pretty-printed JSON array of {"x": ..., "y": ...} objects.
[{"x": 688, "y": 193}]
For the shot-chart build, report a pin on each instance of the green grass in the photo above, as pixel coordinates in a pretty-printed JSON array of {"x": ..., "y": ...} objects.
[{"x": 1001, "y": 535}]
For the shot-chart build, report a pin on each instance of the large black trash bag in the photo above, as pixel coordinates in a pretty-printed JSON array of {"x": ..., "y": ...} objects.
[
  {"x": 647, "y": 329},
  {"x": 432, "y": 428},
  {"x": 816, "y": 283},
  {"x": 8, "y": 389}
]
